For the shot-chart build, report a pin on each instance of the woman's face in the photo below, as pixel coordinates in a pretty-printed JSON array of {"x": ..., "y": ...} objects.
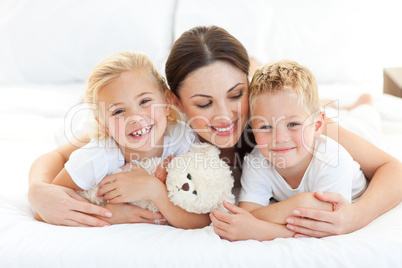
[{"x": 215, "y": 101}]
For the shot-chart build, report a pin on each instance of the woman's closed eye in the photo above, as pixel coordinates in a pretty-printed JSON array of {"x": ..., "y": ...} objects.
[
  {"x": 204, "y": 105},
  {"x": 238, "y": 96}
]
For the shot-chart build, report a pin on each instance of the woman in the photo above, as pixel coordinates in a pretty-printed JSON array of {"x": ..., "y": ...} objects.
[{"x": 207, "y": 70}]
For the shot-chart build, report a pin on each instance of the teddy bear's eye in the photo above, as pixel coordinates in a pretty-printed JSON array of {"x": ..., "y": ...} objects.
[
  {"x": 195, "y": 192},
  {"x": 189, "y": 176}
]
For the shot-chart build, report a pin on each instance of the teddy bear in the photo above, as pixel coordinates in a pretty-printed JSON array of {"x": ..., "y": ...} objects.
[{"x": 197, "y": 181}]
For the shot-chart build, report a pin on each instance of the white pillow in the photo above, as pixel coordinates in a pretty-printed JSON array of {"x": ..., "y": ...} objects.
[{"x": 61, "y": 41}]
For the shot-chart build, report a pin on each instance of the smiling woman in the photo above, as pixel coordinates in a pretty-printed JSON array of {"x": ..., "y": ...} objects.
[
  {"x": 207, "y": 71},
  {"x": 220, "y": 113}
]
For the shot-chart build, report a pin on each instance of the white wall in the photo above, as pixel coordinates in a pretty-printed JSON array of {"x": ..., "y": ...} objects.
[{"x": 344, "y": 41}]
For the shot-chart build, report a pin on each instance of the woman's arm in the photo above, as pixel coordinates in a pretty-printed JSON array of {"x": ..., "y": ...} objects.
[
  {"x": 384, "y": 191},
  {"x": 63, "y": 206},
  {"x": 60, "y": 205}
]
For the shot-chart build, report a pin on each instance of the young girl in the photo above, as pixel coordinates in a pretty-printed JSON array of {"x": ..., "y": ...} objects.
[{"x": 133, "y": 122}]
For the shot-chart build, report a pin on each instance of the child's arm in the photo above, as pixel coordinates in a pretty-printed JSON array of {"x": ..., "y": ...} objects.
[
  {"x": 242, "y": 225},
  {"x": 177, "y": 216},
  {"x": 64, "y": 179},
  {"x": 263, "y": 222},
  {"x": 139, "y": 185},
  {"x": 64, "y": 206},
  {"x": 278, "y": 212}
]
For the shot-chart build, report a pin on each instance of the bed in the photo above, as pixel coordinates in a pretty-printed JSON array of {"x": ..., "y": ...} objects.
[{"x": 41, "y": 86}]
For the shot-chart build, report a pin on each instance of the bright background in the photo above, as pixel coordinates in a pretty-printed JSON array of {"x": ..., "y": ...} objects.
[{"x": 47, "y": 48}]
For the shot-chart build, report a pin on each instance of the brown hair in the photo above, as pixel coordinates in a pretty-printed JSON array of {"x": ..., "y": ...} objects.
[
  {"x": 287, "y": 76},
  {"x": 109, "y": 69},
  {"x": 202, "y": 46}
]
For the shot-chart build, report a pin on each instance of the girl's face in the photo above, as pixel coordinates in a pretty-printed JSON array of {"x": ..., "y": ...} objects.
[
  {"x": 215, "y": 101},
  {"x": 284, "y": 131},
  {"x": 133, "y": 111}
]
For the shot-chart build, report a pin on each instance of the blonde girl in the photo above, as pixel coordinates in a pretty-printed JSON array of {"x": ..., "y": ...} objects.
[{"x": 134, "y": 121}]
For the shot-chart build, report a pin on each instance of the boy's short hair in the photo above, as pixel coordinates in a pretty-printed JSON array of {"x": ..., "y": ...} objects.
[
  {"x": 109, "y": 69},
  {"x": 286, "y": 76}
]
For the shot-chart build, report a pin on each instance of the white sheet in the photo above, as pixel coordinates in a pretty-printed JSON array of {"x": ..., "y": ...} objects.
[{"x": 25, "y": 242}]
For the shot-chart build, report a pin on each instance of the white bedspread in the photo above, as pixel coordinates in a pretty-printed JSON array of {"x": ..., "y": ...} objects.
[{"x": 28, "y": 129}]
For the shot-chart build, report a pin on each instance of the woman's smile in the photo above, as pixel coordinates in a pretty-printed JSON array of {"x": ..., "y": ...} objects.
[{"x": 224, "y": 130}]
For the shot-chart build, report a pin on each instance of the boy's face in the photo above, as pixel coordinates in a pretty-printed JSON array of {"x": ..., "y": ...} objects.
[
  {"x": 284, "y": 131},
  {"x": 134, "y": 112}
]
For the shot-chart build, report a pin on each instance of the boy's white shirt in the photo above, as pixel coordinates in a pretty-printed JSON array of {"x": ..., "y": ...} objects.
[
  {"x": 88, "y": 165},
  {"x": 331, "y": 169}
]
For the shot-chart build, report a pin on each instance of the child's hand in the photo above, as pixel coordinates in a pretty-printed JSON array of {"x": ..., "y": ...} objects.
[
  {"x": 124, "y": 213},
  {"x": 240, "y": 225},
  {"x": 160, "y": 171},
  {"x": 127, "y": 166},
  {"x": 128, "y": 186}
]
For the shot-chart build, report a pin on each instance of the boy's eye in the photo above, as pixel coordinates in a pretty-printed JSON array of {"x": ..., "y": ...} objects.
[
  {"x": 266, "y": 127},
  {"x": 293, "y": 124},
  {"x": 204, "y": 105},
  {"x": 144, "y": 101},
  {"x": 117, "y": 112}
]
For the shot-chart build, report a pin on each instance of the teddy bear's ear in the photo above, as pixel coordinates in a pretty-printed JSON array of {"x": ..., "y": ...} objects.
[{"x": 205, "y": 148}]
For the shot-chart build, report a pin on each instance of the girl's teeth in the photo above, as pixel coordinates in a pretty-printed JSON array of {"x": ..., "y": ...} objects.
[
  {"x": 224, "y": 129},
  {"x": 141, "y": 132}
]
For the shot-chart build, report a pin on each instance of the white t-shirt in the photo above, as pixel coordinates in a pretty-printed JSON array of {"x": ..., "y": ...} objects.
[
  {"x": 331, "y": 169},
  {"x": 88, "y": 165}
]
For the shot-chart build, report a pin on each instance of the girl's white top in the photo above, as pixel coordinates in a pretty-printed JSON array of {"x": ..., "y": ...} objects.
[{"x": 88, "y": 165}]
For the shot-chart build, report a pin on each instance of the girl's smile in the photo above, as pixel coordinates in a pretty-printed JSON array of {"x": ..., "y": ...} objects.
[{"x": 141, "y": 132}]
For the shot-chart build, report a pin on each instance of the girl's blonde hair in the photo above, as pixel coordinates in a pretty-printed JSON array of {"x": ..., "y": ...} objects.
[
  {"x": 287, "y": 76},
  {"x": 109, "y": 69}
]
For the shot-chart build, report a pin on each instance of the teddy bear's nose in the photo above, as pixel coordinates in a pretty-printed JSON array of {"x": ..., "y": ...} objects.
[{"x": 185, "y": 187}]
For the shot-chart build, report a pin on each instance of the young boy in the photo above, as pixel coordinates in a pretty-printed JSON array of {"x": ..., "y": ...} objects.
[{"x": 291, "y": 155}]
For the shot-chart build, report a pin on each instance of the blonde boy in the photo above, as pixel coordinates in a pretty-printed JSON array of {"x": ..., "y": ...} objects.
[{"x": 291, "y": 155}]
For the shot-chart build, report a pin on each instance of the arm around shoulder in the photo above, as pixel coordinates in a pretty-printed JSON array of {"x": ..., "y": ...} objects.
[
  {"x": 383, "y": 193},
  {"x": 53, "y": 203}
]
